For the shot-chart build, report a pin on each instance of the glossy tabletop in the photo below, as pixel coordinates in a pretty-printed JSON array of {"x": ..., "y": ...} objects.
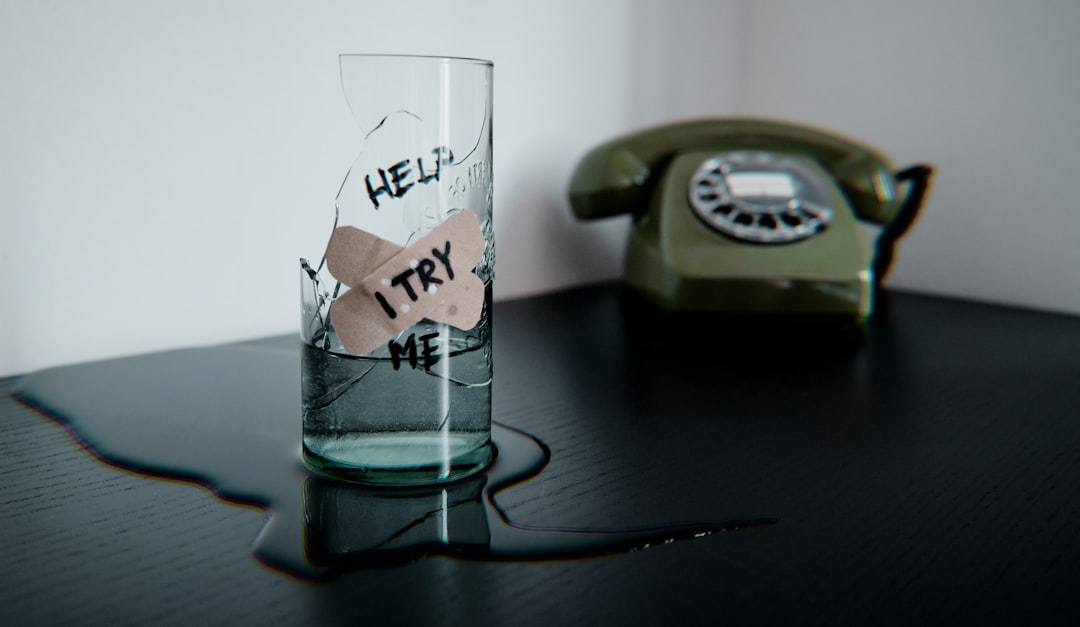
[{"x": 923, "y": 469}]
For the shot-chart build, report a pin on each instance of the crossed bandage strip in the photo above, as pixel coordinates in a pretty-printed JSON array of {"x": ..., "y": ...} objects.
[{"x": 393, "y": 288}]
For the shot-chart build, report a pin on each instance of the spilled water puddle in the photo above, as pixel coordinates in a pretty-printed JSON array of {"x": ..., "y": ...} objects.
[{"x": 229, "y": 418}]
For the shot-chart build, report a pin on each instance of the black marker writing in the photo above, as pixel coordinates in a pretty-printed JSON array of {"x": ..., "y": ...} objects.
[
  {"x": 426, "y": 357},
  {"x": 403, "y": 280},
  {"x": 385, "y": 305},
  {"x": 399, "y": 181},
  {"x": 425, "y": 270},
  {"x": 398, "y": 172},
  {"x": 374, "y": 192},
  {"x": 444, "y": 257}
]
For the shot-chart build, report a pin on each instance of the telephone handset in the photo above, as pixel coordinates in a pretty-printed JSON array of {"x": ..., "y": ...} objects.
[{"x": 750, "y": 215}]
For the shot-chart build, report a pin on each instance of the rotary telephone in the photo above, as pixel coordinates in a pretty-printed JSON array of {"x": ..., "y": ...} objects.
[{"x": 750, "y": 216}]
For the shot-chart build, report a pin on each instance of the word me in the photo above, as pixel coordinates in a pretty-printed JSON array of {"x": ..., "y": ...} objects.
[{"x": 426, "y": 356}]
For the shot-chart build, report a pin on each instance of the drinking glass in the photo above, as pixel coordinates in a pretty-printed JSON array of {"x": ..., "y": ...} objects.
[{"x": 396, "y": 316}]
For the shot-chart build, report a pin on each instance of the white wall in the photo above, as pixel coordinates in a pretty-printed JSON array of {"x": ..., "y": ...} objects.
[
  {"x": 986, "y": 91},
  {"x": 164, "y": 164}
]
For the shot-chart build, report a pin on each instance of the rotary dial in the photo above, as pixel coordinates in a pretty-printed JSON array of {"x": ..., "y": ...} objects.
[{"x": 760, "y": 197}]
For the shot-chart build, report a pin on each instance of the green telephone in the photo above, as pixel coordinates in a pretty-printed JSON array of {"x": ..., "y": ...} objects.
[{"x": 750, "y": 216}]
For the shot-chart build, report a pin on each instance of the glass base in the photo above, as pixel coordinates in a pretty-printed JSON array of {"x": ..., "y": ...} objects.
[{"x": 391, "y": 460}]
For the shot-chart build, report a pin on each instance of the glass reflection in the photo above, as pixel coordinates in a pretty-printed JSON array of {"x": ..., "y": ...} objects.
[{"x": 348, "y": 523}]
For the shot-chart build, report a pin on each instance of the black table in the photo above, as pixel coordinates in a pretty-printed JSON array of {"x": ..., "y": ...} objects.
[{"x": 925, "y": 469}]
